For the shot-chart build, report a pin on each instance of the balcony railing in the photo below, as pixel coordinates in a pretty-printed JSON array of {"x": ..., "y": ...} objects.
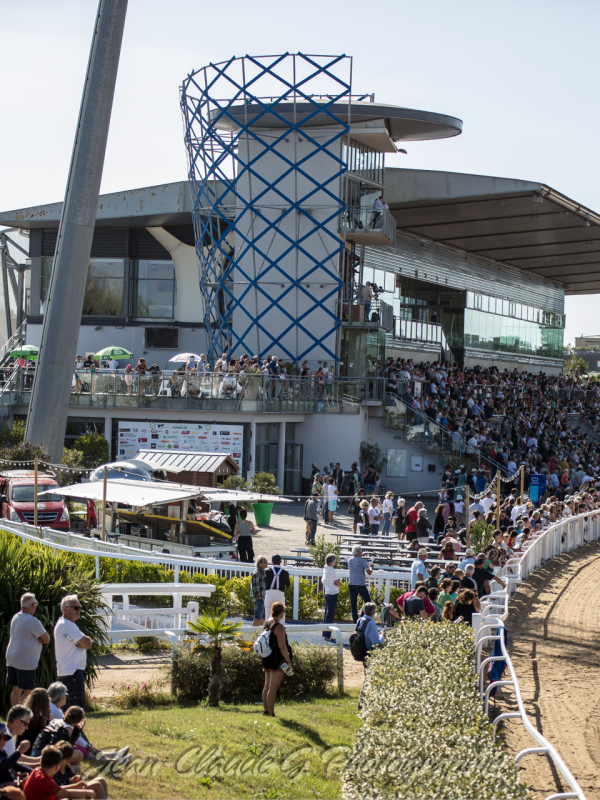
[
  {"x": 377, "y": 313},
  {"x": 365, "y": 226},
  {"x": 212, "y": 391}
]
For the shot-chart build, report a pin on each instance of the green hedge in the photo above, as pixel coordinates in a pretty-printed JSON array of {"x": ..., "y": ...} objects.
[
  {"x": 424, "y": 733},
  {"x": 315, "y": 668}
]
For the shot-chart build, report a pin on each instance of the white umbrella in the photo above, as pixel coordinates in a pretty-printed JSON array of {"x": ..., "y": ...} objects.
[{"x": 184, "y": 357}]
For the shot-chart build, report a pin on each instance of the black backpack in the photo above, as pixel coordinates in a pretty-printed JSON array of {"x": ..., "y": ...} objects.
[{"x": 358, "y": 645}]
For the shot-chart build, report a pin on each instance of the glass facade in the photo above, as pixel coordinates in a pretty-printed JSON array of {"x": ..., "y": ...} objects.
[
  {"x": 471, "y": 319},
  {"x": 363, "y": 161},
  {"x": 104, "y": 291},
  {"x": 154, "y": 290}
]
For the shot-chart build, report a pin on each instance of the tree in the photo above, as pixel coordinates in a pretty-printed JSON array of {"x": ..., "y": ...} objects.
[
  {"x": 218, "y": 631},
  {"x": 94, "y": 448},
  {"x": 576, "y": 363}
]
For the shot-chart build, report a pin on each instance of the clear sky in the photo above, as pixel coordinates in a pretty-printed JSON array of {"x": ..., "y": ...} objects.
[{"x": 521, "y": 74}]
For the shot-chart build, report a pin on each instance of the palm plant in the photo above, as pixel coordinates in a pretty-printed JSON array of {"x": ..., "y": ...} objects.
[{"x": 214, "y": 626}]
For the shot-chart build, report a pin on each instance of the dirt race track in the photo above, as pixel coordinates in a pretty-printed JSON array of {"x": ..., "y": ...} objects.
[{"x": 554, "y": 642}]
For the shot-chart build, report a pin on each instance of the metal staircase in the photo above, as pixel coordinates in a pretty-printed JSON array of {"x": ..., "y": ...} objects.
[{"x": 416, "y": 428}]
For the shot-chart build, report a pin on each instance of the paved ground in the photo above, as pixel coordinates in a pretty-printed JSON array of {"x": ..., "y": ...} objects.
[{"x": 554, "y": 630}]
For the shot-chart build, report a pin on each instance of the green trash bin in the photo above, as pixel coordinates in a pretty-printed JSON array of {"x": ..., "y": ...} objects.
[{"x": 262, "y": 514}]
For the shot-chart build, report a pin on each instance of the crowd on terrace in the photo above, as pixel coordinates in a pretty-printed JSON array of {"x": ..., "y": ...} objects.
[{"x": 511, "y": 417}]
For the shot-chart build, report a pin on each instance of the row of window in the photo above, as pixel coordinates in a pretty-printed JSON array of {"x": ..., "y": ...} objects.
[
  {"x": 507, "y": 308},
  {"x": 363, "y": 160},
  {"x": 494, "y": 332},
  {"x": 140, "y": 289}
]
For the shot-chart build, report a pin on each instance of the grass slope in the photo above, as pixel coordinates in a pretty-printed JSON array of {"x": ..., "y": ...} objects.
[{"x": 232, "y": 751}]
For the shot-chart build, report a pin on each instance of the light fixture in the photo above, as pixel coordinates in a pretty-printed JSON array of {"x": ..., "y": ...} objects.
[
  {"x": 538, "y": 198},
  {"x": 585, "y": 222}
]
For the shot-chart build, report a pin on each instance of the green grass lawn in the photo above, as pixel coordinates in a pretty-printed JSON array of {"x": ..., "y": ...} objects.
[{"x": 232, "y": 751}]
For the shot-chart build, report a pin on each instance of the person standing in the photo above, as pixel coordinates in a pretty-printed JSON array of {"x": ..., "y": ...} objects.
[
  {"x": 257, "y": 591},
  {"x": 374, "y": 516},
  {"x": 311, "y": 516},
  {"x": 242, "y": 534},
  {"x": 359, "y": 568},
  {"x": 332, "y": 492},
  {"x": 27, "y": 636},
  {"x": 331, "y": 589},
  {"x": 279, "y": 662},
  {"x": 418, "y": 571},
  {"x": 70, "y": 646},
  {"x": 400, "y": 518},
  {"x": 411, "y": 521},
  {"x": 370, "y": 479},
  {"x": 277, "y": 580},
  {"x": 388, "y": 510}
]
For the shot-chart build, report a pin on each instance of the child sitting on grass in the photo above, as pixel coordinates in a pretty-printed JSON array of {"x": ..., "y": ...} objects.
[
  {"x": 66, "y": 777},
  {"x": 40, "y": 785}
]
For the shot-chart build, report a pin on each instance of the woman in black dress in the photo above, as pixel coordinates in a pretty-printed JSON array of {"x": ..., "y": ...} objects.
[
  {"x": 279, "y": 662},
  {"x": 400, "y": 518},
  {"x": 438, "y": 523}
]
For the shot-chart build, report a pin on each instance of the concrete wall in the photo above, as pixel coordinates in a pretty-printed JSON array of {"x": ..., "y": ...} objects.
[{"x": 337, "y": 437}]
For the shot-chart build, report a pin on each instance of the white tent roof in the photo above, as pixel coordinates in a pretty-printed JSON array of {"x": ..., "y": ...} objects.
[
  {"x": 131, "y": 493},
  {"x": 154, "y": 493}
]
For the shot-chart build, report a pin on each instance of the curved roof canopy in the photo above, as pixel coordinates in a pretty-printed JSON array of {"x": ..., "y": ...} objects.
[
  {"x": 403, "y": 124},
  {"x": 523, "y": 223}
]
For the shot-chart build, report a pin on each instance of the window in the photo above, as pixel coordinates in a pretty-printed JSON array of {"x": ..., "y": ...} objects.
[
  {"x": 157, "y": 338},
  {"x": 154, "y": 290},
  {"x": 105, "y": 288}
]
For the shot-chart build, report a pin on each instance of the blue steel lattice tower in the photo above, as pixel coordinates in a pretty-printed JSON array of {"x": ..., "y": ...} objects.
[{"x": 265, "y": 140}]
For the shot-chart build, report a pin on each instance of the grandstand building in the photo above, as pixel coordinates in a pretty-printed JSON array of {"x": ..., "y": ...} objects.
[{"x": 292, "y": 238}]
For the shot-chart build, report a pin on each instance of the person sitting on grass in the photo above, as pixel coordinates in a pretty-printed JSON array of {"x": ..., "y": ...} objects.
[
  {"x": 67, "y": 778},
  {"x": 70, "y": 729},
  {"x": 40, "y": 785},
  {"x": 9, "y": 764}
]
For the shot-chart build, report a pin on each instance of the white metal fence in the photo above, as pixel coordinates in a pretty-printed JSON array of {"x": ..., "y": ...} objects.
[{"x": 559, "y": 538}]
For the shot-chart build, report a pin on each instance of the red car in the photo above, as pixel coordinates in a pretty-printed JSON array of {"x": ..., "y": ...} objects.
[{"x": 17, "y": 489}]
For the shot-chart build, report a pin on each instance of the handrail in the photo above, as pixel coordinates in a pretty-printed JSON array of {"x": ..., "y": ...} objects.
[
  {"x": 560, "y": 537},
  {"x": 15, "y": 339},
  {"x": 445, "y": 434},
  {"x": 211, "y": 566}
]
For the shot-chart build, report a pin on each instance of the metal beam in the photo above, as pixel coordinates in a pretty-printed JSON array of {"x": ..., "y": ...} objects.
[{"x": 48, "y": 411}]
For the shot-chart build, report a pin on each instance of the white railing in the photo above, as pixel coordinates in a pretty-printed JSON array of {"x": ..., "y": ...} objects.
[
  {"x": 82, "y": 545},
  {"x": 559, "y": 538}
]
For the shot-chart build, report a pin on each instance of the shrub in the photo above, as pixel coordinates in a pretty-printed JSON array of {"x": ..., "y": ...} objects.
[
  {"x": 421, "y": 685},
  {"x": 322, "y": 548},
  {"x": 315, "y": 668},
  {"x": 482, "y": 535},
  {"x": 135, "y": 695}
]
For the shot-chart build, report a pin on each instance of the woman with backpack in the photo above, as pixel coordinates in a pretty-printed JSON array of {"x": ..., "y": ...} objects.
[{"x": 279, "y": 661}]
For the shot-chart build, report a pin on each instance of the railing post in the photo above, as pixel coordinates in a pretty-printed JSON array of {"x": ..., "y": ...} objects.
[{"x": 296, "y": 601}]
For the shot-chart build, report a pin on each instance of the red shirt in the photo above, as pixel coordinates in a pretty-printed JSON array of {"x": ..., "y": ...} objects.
[
  {"x": 412, "y": 517},
  {"x": 429, "y": 607},
  {"x": 40, "y": 786}
]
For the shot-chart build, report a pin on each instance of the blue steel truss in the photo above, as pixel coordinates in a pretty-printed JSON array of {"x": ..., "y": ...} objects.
[{"x": 238, "y": 114}]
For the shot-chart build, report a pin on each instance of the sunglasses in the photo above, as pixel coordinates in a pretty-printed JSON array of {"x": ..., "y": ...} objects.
[
  {"x": 75, "y": 608},
  {"x": 4, "y": 737}
]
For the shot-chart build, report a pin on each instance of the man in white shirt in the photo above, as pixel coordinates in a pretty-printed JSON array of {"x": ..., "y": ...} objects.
[
  {"x": 332, "y": 496},
  {"x": 70, "y": 645},
  {"x": 487, "y": 502},
  {"x": 113, "y": 365}
]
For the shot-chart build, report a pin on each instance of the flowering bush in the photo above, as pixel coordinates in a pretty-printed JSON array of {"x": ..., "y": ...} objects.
[
  {"x": 134, "y": 695},
  {"x": 424, "y": 733}
]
